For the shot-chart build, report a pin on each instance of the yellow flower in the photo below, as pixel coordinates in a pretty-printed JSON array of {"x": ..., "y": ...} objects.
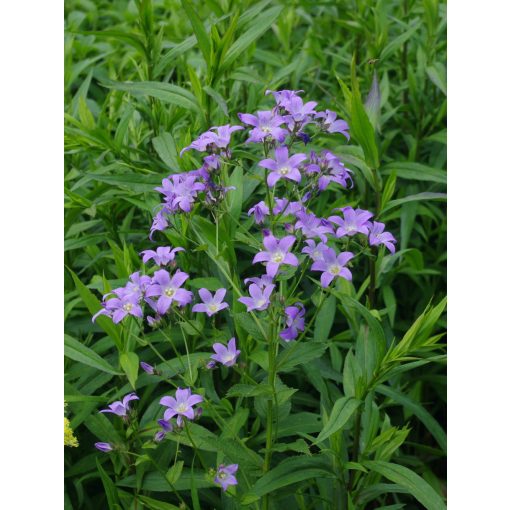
[{"x": 69, "y": 438}]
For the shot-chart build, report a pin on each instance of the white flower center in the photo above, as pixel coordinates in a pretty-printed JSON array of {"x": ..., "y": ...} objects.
[
  {"x": 334, "y": 269},
  {"x": 182, "y": 408},
  {"x": 169, "y": 292},
  {"x": 259, "y": 303},
  {"x": 350, "y": 228},
  {"x": 222, "y": 475},
  {"x": 213, "y": 307},
  {"x": 229, "y": 357},
  {"x": 265, "y": 129},
  {"x": 277, "y": 256},
  {"x": 284, "y": 170},
  {"x": 128, "y": 307}
]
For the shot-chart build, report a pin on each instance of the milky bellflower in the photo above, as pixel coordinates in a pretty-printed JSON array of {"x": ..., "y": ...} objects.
[
  {"x": 266, "y": 124},
  {"x": 211, "y": 304},
  {"x": 314, "y": 251},
  {"x": 213, "y": 140},
  {"x": 295, "y": 322},
  {"x": 260, "y": 210},
  {"x": 180, "y": 191},
  {"x": 162, "y": 256},
  {"x": 283, "y": 166},
  {"x": 329, "y": 168},
  {"x": 166, "y": 426},
  {"x": 377, "y": 236},
  {"x": 311, "y": 226},
  {"x": 104, "y": 447},
  {"x": 118, "y": 308},
  {"x": 259, "y": 299},
  {"x": 333, "y": 266},
  {"x": 181, "y": 405},
  {"x": 168, "y": 290},
  {"x": 227, "y": 356},
  {"x": 262, "y": 282},
  {"x": 277, "y": 253},
  {"x": 283, "y": 97},
  {"x": 121, "y": 407},
  {"x": 283, "y": 206},
  {"x": 331, "y": 125},
  {"x": 225, "y": 476},
  {"x": 354, "y": 221},
  {"x": 147, "y": 368}
]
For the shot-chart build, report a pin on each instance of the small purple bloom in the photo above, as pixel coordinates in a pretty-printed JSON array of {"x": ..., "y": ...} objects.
[
  {"x": 283, "y": 206},
  {"x": 211, "y": 304},
  {"x": 118, "y": 308},
  {"x": 259, "y": 299},
  {"x": 266, "y": 124},
  {"x": 180, "y": 191},
  {"x": 159, "y": 223},
  {"x": 377, "y": 236},
  {"x": 354, "y": 221},
  {"x": 329, "y": 168},
  {"x": 331, "y": 125},
  {"x": 261, "y": 210},
  {"x": 333, "y": 266},
  {"x": 104, "y": 447},
  {"x": 211, "y": 140},
  {"x": 311, "y": 226},
  {"x": 166, "y": 426},
  {"x": 315, "y": 252},
  {"x": 121, "y": 408},
  {"x": 283, "y": 166},
  {"x": 168, "y": 289},
  {"x": 295, "y": 322},
  {"x": 181, "y": 405},
  {"x": 227, "y": 356},
  {"x": 225, "y": 476},
  {"x": 283, "y": 97},
  {"x": 162, "y": 256},
  {"x": 262, "y": 282},
  {"x": 147, "y": 368},
  {"x": 159, "y": 436},
  {"x": 277, "y": 253}
]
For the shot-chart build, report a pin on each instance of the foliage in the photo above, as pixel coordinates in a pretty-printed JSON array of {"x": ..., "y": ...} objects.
[{"x": 358, "y": 402}]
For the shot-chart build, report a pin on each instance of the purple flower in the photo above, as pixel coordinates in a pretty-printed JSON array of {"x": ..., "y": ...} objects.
[
  {"x": 300, "y": 113},
  {"x": 283, "y": 97},
  {"x": 181, "y": 405},
  {"x": 295, "y": 322},
  {"x": 121, "y": 408},
  {"x": 261, "y": 210},
  {"x": 262, "y": 282},
  {"x": 159, "y": 223},
  {"x": 266, "y": 124},
  {"x": 227, "y": 356},
  {"x": 329, "y": 168},
  {"x": 137, "y": 284},
  {"x": 377, "y": 236},
  {"x": 162, "y": 256},
  {"x": 118, "y": 308},
  {"x": 166, "y": 426},
  {"x": 180, "y": 191},
  {"x": 277, "y": 253},
  {"x": 168, "y": 289},
  {"x": 282, "y": 205},
  {"x": 225, "y": 476},
  {"x": 211, "y": 304},
  {"x": 153, "y": 322},
  {"x": 147, "y": 368},
  {"x": 211, "y": 140},
  {"x": 333, "y": 266},
  {"x": 311, "y": 226},
  {"x": 259, "y": 297},
  {"x": 315, "y": 252},
  {"x": 283, "y": 167},
  {"x": 104, "y": 447},
  {"x": 354, "y": 221},
  {"x": 331, "y": 125}
]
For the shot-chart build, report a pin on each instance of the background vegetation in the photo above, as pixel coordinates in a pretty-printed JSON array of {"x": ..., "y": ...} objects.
[{"x": 143, "y": 79}]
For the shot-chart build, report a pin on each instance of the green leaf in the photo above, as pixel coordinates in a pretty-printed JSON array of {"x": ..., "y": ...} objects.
[
  {"x": 93, "y": 305},
  {"x": 129, "y": 362},
  {"x": 112, "y": 495},
  {"x": 256, "y": 28},
  {"x": 361, "y": 127},
  {"x": 297, "y": 354},
  {"x": 396, "y": 43},
  {"x": 249, "y": 390},
  {"x": 426, "y": 195},
  {"x": 419, "y": 411},
  {"x": 155, "y": 504},
  {"x": 220, "y": 101},
  {"x": 209, "y": 283},
  {"x": 437, "y": 75},
  {"x": 76, "y": 351},
  {"x": 289, "y": 471},
  {"x": 167, "y": 151},
  {"x": 340, "y": 414},
  {"x": 325, "y": 319},
  {"x": 199, "y": 30},
  {"x": 416, "y": 485},
  {"x": 174, "y": 473},
  {"x": 415, "y": 171}
]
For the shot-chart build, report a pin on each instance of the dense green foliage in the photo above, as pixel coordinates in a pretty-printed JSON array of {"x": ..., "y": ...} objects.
[{"x": 142, "y": 80}]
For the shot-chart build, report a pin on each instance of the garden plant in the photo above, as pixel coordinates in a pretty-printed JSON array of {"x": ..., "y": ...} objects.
[{"x": 255, "y": 254}]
